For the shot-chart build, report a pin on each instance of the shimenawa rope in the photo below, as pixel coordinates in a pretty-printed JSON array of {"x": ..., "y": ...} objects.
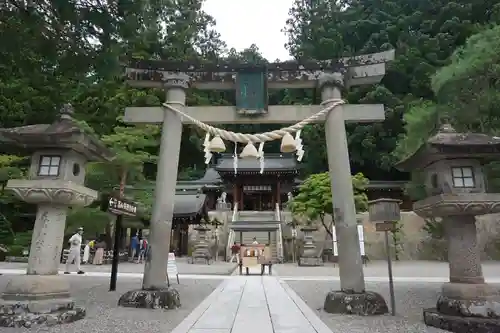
[{"x": 259, "y": 137}]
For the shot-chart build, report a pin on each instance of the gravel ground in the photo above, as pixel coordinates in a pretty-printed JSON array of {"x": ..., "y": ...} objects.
[
  {"x": 183, "y": 267},
  {"x": 103, "y": 314},
  {"x": 410, "y": 300},
  {"x": 491, "y": 269}
]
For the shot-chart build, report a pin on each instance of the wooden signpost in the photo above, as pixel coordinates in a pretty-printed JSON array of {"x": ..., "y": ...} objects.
[
  {"x": 172, "y": 268},
  {"x": 119, "y": 207},
  {"x": 385, "y": 213}
]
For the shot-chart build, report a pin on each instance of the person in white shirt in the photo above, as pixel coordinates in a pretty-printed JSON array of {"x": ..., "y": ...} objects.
[
  {"x": 75, "y": 245},
  {"x": 255, "y": 241}
]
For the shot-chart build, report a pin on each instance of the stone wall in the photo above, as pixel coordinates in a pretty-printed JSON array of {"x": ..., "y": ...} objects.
[{"x": 415, "y": 243}]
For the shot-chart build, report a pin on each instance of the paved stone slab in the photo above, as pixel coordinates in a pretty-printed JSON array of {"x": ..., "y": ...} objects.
[
  {"x": 221, "y": 313},
  {"x": 252, "y": 304},
  {"x": 285, "y": 314},
  {"x": 253, "y": 313}
]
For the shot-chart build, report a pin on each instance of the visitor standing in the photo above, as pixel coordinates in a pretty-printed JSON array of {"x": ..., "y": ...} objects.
[
  {"x": 99, "y": 253},
  {"x": 235, "y": 253},
  {"x": 143, "y": 249},
  {"x": 134, "y": 246},
  {"x": 75, "y": 246},
  {"x": 86, "y": 253},
  {"x": 255, "y": 241}
]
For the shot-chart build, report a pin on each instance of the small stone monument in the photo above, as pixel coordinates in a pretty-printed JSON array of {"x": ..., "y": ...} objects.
[
  {"x": 456, "y": 192},
  {"x": 309, "y": 255},
  {"x": 59, "y": 152},
  {"x": 201, "y": 249}
]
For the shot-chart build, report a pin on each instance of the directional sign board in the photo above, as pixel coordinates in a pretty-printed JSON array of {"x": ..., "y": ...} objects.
[
  {"x": 120, "y": 206},
  {"x": 384, "y": 226},
  {"x": 172, "y": 268}
]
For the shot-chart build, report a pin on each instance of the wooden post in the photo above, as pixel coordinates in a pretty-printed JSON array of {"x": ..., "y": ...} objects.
[
  {"x": 278, "y": 192},
  {"x": 241, "y": 207},
  {"x": 235, "y": 193}
]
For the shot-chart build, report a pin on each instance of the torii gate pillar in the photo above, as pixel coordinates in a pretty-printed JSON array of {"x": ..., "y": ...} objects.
[
  {"x": 155, "y": 292},
  {"x": 352, "y": 296}
]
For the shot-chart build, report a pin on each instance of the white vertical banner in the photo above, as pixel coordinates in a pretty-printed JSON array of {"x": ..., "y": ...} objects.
[
  {"x": 334, "y": 240},
  {"x": 361, "y": 236}
]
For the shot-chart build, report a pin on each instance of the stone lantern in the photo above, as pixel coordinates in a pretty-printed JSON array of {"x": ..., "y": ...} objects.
[
  {"x": 59, "y": 153},
  {"x": 201, "y": 249},
  {"x": 456, "y": 193},
  {"x": 309, "y": 256}
]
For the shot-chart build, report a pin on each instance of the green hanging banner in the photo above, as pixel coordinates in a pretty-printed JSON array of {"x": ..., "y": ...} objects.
[{"x": 251, "y": 91}]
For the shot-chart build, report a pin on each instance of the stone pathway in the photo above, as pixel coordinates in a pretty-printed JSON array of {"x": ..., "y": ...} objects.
[{"x": 252, "y": 304}]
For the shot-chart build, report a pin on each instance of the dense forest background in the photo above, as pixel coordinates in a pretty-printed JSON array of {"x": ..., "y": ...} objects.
[{"x": 67, "y": 51}]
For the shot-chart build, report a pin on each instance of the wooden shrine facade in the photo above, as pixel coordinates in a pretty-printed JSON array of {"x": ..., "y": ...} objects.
[
  {"x": 257, "y": 191},
  {"x": 190, "y": 208}
]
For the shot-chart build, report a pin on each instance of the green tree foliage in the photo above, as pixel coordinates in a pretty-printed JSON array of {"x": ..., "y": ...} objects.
[
  {"x": 314, "y": 200},
  {"x": 467, "y": 91},
  {"x": 424, "y": 35},
  {"x": 467, "y": 96},
  {"x": 11, "y": 166},
  {"x": 468, "y": 88}
]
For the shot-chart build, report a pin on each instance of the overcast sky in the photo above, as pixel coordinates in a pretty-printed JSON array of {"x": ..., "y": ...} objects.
[{"x": 242, "y": 23}]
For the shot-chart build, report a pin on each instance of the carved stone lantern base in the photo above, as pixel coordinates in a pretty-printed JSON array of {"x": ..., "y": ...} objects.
[
  {"x": 42, "y": 297},
  {"x": 466, "y": 303},
  {"x": 165, "y": 298},
  {"x": 309, "y": 256},
  {"x": 30, "y": 300},
  {"x": 368, "y": 303},
  {"x": 465, "y": 307}
]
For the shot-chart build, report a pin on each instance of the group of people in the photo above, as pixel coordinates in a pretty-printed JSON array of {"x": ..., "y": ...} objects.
[
  {"x": 139, "y": 247},
  {"x": 235, "y": 250},
  {"x": 96, "y": 247}
]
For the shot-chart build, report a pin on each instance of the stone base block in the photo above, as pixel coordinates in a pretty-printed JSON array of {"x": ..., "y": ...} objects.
[
  {"x": 33, "y": 313},
  {"x": 459, "y": 324},
  {"x": 30, "y": 300},
  {"x": 368, "y": 303},
  {"x": 166, "y": 298},
  {"x": 469, "y": 300},
  {"x": 310, "y": 261}
]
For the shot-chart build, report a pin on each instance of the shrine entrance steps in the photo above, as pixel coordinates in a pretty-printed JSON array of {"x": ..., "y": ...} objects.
[{"x": 252, "y": 304}]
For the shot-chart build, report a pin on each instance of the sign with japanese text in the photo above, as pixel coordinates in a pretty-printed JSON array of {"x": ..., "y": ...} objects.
[{"x": 121, "y": 206}]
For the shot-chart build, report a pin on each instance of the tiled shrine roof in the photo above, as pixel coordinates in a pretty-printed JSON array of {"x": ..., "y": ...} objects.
[{"x": 189, "y": 204}]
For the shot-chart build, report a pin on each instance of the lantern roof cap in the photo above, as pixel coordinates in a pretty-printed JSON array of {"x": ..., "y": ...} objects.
[
  {"x": 447, "y": 143},
  {"x": 64, "y": 133}
]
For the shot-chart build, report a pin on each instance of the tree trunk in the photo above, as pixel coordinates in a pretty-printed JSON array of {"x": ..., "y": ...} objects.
[{"x": 328, "y": 229}]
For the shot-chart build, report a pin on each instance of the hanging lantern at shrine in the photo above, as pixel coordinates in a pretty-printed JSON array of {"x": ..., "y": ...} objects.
[
  {"x": 217, "y": 145},
  {"x": 288, "y": 144},
  {"x": 249, "y": 151}
]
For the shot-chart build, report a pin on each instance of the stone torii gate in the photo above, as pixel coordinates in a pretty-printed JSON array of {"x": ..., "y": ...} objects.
[{"x": 331, "y": 77}]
